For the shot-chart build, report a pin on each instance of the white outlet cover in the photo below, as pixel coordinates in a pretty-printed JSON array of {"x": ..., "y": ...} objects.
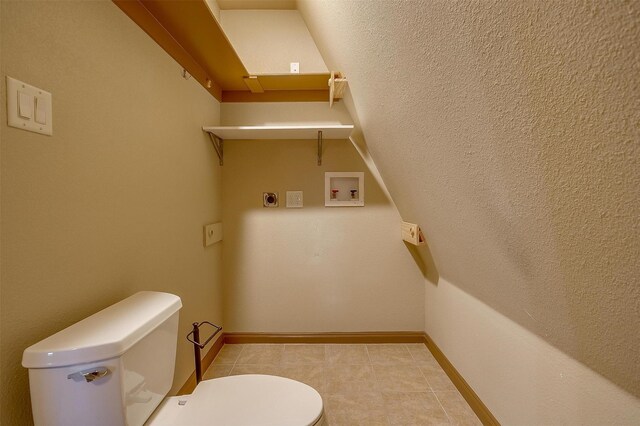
[
  {"x": 295, "y": 67},
  {"x": 294, "y": 199},
  {"x": 36, "y": 98}
]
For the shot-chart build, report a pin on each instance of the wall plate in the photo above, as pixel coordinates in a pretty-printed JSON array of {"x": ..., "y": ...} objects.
[
  {"x": 28, "y": 107},
  {"x": 212, "y": 233},
  {"x": 294, "y": 199},
  {"x": 270, "y": 199}
]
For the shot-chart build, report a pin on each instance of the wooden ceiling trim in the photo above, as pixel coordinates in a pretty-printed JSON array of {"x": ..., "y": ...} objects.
[
  {"x": 193, "y": 25},
  {"x": 190, "y": 34},
  {"x": 139, "y": 14},
  {"x": 276, "y": 96},
  {"x": 295, "y": 81},
  {"x": 257, "y": 4}
]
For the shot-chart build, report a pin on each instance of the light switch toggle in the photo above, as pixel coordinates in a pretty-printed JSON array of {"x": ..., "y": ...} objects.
[
  {"x": 41, "y": 110},
  {"x": 25, "y": 105}
]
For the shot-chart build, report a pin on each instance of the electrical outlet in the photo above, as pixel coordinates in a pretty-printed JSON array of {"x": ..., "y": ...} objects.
[
  {"x": 270, "y": 199},
  {"x": 295, "y": 67}
]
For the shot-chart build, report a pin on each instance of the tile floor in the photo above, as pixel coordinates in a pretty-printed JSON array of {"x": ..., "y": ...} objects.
[{"x": 382, "y": 384}]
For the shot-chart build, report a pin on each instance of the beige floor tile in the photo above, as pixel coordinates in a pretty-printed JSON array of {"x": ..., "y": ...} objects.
[
  {"x": 357, "y": 384},
  {"x": 347, "y": 354},
  {"x": 437, "y": 378},
  {"x": 303, "y": 354},
  {"x": 348, "y": 387},
  {"x": 261, "y": 354},
  {"x": 228, "y": 354},
  {"x": 457, "y": 409},
  {"x": 217, "y": 370},
  {"x": 389, "y": 354},
  {"x": 414, "y": 408},
  {"x": 311, "y": 374},
  {"x": 366, "y": 408},
  {"x": 271, "y": 369},
  {"x": 421, "y": 354},
  {"x": 349, "y": 372},
  {"x": 400, "y": 378}
]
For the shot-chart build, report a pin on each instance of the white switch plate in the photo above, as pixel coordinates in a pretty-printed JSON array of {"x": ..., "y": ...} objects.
[
  {"x": 212, "y": 233},
  {"x": 294, "y": 199},
  {"x": 32, "y": 97},
  {"x": 295, "y": 67}
]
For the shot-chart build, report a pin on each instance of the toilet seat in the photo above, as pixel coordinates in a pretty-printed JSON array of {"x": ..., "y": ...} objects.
[{"x": 245, "y": 400}]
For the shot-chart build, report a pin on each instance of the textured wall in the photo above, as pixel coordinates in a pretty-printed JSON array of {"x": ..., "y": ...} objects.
[
  {"x": 510, "y": 132},
  {"x": 115, "y": 200},
  {"x": 316, "y": 268}
]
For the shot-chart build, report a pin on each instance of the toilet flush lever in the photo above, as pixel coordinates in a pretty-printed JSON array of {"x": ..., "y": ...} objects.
[{"x": 89, "y": 375}]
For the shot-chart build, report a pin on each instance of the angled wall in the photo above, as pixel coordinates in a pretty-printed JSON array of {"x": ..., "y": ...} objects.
[
  {"x": 114, "y": 202},
  {"x": 509, "y": 132}
]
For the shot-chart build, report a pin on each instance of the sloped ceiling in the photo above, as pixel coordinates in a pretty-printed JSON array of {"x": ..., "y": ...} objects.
[{"x": 510, "y": 132}]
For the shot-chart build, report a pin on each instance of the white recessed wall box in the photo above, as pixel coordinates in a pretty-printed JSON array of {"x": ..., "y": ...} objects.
[
  {"x": 344, "y": 189},
  {"x": 28, "y": 107}
]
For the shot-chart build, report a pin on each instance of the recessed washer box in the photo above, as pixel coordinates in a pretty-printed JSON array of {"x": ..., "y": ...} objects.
[{"x": 344, "y": 189}]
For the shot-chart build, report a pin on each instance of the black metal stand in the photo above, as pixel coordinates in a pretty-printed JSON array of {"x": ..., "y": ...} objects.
[{"x": 197, "y": 346}]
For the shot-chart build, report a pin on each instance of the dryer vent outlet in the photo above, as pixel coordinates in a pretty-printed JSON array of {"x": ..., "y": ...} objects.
[{"x": 270, "y": 199}]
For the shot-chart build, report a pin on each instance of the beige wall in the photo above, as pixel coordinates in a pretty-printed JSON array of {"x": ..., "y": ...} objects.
[
  {"x": 114, "y": 202},
  {"x": 260, "y": 35},
  {"x": 316, "y": 268},
  {"x": 509, "y": 132}
]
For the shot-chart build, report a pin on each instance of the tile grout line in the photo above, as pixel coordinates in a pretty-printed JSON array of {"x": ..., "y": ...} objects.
[
  {"x": 236, "y": 360},
  {"x": 386, "y": 415}
]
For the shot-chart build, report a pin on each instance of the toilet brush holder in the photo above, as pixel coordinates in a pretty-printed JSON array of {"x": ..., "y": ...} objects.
[{"x": 194, "y": 337}]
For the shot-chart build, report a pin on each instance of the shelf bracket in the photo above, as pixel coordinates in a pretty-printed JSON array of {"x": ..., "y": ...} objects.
[
  {"x": 218, "y": 145},
  {"x": 319, "y": 147}
]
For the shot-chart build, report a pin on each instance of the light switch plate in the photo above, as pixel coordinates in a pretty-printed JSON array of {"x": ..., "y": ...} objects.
[
  {"x": 294, "y": 199},
  {"x": 34, "y": 97},
  {"x": 212, "y": 233}
]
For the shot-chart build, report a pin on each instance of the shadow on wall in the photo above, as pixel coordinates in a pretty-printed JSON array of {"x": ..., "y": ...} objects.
[
  {"x": 424, "y": 260},
  {"x": 421, "y": 254}
]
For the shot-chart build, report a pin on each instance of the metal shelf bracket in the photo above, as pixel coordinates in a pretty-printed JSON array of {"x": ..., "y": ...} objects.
[
  {"x": 218, "y": 145},
  {"x": 319, "y": 147}
]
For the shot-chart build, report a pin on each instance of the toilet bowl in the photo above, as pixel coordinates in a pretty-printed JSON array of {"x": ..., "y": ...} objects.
[
  {"x": 116, "y": 368},
  {"x": 274, "y": 400}
]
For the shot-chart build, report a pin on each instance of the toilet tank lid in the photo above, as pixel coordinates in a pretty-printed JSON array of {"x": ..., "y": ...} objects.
[{"x": 105, "y": 334}]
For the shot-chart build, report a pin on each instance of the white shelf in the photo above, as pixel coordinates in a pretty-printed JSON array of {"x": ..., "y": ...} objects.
[{"x": 337, "y": 131}]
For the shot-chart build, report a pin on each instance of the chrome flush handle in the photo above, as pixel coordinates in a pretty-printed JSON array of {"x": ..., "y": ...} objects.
[{"x": 89, "y": 375}]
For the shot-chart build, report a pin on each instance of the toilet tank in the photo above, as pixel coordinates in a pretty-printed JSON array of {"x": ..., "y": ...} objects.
[{"x": 112, "y": 368}]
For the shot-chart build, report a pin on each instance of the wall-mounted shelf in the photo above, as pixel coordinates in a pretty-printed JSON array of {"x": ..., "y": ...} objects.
[
  {"x": 219, "y": 134},
  {"x": 337, "y": 131}
]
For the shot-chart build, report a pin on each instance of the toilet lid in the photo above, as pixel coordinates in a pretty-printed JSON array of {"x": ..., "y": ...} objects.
[{"x": 245, "y": 400}]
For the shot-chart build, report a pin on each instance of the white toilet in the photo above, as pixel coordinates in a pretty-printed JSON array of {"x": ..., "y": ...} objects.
[{"x": 116, "y": 368}]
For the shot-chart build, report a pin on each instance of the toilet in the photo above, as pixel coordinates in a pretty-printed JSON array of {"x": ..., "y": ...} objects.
[{"x": 116, "y": 368}]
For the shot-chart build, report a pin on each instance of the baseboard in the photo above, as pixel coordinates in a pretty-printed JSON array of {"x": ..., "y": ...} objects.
[
  {"x": 465, "y": 390},
  {"x": 463, "y": 387},
  {"x": 337, "y": 337}
]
